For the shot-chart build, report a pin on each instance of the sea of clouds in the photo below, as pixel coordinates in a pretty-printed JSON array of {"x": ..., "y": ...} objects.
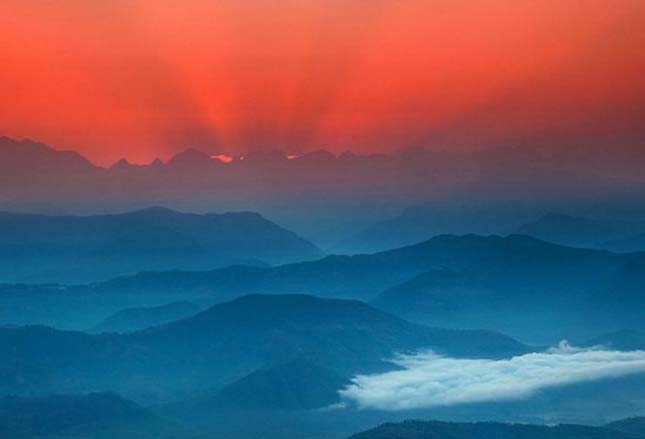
[{"x": 430, "y": 380}]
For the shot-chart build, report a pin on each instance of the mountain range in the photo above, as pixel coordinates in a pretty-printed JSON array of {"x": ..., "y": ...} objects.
[
  {"x": 224, "y": 343},
  {"x": 453, "y": 281},
  {"x": 469, "y": 281},
  {"x": 323, "y": 197},
  {"x": 419, "y": 223},
  {"x": 72, "y": 249}
]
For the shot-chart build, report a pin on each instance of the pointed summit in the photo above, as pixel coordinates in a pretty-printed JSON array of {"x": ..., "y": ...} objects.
[
  {"x": 122, "y": 163},
  {"x": 156, "y": 163}
]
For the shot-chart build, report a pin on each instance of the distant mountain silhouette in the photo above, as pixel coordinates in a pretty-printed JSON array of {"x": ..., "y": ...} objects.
[
  {"x": 132, "y": 319},
  {"x": 95, "y": 415},
  {"x": 319, "y": 194},
  {"x": 74, "y": 249},
  {"x": 224, "y": 343},
  {"x": 584, "y": 232},
  {"x": 419, "y": 223},
  {"x": 33, "y": 162},
  {"x": 486, "y": 430}
]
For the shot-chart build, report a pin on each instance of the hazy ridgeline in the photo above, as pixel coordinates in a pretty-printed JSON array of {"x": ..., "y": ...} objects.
[
  {"x": 347, "y": 203},
  {"x": 447, "y": 300}
]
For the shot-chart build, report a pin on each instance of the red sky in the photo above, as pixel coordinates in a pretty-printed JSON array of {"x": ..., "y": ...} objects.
[{"x": 143, "y": 79}]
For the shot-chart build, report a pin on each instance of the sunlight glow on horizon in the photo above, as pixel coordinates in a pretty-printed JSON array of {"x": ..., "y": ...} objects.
[
  {"x": 224, "y": 158},
  {"x": 144, "y": 79}
]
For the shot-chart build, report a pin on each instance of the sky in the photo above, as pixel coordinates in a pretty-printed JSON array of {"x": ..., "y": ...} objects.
[{"x": 146, "y": 79}]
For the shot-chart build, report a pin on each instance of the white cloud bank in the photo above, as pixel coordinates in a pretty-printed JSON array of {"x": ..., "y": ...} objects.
[{"x": 429, "y": 380}]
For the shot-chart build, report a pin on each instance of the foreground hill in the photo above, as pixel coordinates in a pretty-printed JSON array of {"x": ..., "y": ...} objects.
[
  {"x": 224, "y": 343},
  {"x": 487, "y": 430},
  {"x": 85, "y": 248},
  {"x": 95, "y": 415}
]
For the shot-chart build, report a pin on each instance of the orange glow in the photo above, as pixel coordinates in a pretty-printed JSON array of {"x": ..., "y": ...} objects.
[
  {"x": 147, "y": 78},
  {"x": 224, "y": 158}
]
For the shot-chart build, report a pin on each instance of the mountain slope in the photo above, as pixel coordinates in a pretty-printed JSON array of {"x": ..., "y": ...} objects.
[
  {"x": 364, "y": 276},
  {"x": 533, "y": 290},
  {"x": 584, "y": 232},
  {"x": 132, "y": 319},
  {"x": 634, "y": 426},
  {"x": 486, "y": 430},
  {"x": 95, "y": 415},
  {"x": 419, "y": 223},
  {"x": 540, "y": 308},
  {"x": 297, "y": 385},
  {"x": 631, "y": 243},
  {"x": 568, "y": 290},
  {"x": 73, "y": 248},
  {"x": 224, "y": 343}
]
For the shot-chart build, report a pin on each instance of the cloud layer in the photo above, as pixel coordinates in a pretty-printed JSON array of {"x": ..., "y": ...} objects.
[{"x": 429, "y": 380}]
